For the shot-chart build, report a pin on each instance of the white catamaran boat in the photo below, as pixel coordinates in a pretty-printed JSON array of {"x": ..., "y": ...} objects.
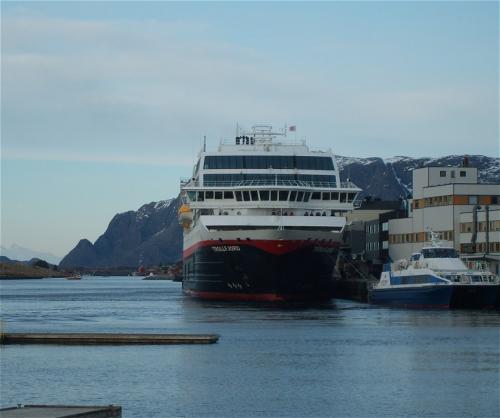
[
  {"x": 435, "y": 277},
  {"x": 263, "y": 218}
]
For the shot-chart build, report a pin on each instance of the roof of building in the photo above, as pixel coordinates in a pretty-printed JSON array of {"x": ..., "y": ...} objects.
[{"x": 380, "y": 205}]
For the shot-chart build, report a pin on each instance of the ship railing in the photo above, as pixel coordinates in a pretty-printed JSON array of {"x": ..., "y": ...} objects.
[
  {"x": 276, "y": 182},
  {"x": 185, "y": 181}
]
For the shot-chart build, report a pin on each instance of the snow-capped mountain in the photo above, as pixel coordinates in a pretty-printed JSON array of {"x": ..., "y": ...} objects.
[
  {"x": 17, "y": 252},
  {"x": 391, "y": 178},
  {"x": 149, "y": 236}
]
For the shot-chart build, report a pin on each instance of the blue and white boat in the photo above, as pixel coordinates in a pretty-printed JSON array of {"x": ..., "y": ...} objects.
[
  {"x": 403, "y": 288},
  {"x": 435, "y": 277}
]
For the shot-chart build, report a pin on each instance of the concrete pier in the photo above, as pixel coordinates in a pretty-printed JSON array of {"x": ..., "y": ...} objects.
[
  {"x": 61, "y": 411},
  {"x": 106, "y": 339}
]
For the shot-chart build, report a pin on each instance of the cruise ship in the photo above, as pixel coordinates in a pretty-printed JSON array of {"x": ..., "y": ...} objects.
[{"x": 263, "y": 218}]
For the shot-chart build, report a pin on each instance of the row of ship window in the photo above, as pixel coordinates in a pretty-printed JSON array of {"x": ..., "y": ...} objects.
[
  {"x": 272, "y": 195},
  {"x": 228, "y": 179},
  {"x": 267, "y": 161}
]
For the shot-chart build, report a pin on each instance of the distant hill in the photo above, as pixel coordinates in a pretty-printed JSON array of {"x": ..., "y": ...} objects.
[
  {"x": 152, "y": 235},
  {"x": 13, "y": 269},
  {"x": 16, "y": 252}
]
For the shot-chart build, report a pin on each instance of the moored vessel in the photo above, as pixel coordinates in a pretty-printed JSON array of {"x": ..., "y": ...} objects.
[
  {"x": 435, "y": 277},
  {"x": 263, "y": 218},
  {"x": 422, "y": 290}
]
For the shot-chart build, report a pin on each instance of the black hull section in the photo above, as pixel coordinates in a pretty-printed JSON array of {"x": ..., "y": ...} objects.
[
  {"x": 245, "y": 272},
  {"x": 472, "y": 296}
]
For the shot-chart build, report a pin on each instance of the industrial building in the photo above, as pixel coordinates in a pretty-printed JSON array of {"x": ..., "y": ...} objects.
[{"x": 445, "y": 200}]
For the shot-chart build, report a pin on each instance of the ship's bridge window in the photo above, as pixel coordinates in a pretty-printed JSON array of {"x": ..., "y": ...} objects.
[
  {"x": 439, "y": 253},
  {"x": 218, "y": 195},
  {"x": 264, "y": 195},
  {"x": 246, "y": 195},
  {"x": 325, "y": 196},
  {"x": 316, "y": 196},
  {"x": 267, "y": 161},
  {"x": 307, "y": 196},
  {"x": 343, "y": 197},
  {"x": 351, "y": 197},
  {"x": 238, "y": 196},
  {"x": 192, "y": 196},
  {"x": 228, "y": 195},
  {"x": 293, "y": 195},
  {"x": 254, "y": 195},
  {"x": 335, "y": 195},
  {"x": 300, "y": 196},
  {"x": 274, "y": 195},
  {"x": 209, "y": 195},
  {"x": 283, "y": 195},
  {"x": 201, "y": 196}
]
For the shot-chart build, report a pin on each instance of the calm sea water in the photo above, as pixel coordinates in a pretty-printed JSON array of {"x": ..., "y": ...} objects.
[{"x": 333, "y": 359}]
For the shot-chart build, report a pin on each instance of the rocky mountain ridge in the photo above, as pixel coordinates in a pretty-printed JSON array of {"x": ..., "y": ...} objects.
[
  {"x": 391, "y": 178},
  {"x": 152, "y": 236}
]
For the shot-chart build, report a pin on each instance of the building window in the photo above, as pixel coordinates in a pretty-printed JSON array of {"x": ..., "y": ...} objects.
[
  {"x": 442, "y": 173},
  {"x": 472, "y": 200},
  {"x": 463, "y": 174}
]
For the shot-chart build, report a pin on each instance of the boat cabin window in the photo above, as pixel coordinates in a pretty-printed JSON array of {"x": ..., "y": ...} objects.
[
  {"x": 316, "y": 196},
  {"x": 351, "y": 197},
  {"x": 415, "y": 257},
  {"x": 228, "y": 195},
  {"x": 209, "y": 195},
  {"x": 439, "y": 253},
  {"x": 293, "y": 195},
  {"x": 335, "y": 195},
  {"x": 254, "y": 195},
  {"x": 192, "y": 196},
  {"x": 246, "y": 195},
  {"x": 201, "y": 196},
  {"x": 343, "y": 197},
  {"x": 218, "y": 195},
  {"x": 307, "y": 195},
  {"x": 264, "y": 195},
  {"x": 238, "y": 196},
  {"x": 325, "y": 196},
  {"x": 300, "y": 196},
  {"x": 274, "y": 195}
]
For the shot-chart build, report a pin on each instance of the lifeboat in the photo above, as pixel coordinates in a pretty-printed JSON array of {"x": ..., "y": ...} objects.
[{"x": 185, "y": 216}]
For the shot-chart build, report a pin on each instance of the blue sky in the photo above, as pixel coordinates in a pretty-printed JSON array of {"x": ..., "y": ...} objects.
[{"x": 105, "y": 104}]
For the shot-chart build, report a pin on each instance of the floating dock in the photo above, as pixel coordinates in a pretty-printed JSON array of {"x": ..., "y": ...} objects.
[
  {"x": 61, "y": 411},
  {"x": 106, "y": 339}
]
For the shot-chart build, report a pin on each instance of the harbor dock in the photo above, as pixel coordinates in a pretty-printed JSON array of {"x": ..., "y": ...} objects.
[
  {"x": 106, "y": 339},
  {"x": 61, "y": 411}
]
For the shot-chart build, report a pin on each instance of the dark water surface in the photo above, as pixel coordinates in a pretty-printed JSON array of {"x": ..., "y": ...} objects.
[{"x": 334, "y": 359}]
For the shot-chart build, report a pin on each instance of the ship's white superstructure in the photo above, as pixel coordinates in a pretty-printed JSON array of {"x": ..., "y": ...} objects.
[{"x": 264, "y": 192}]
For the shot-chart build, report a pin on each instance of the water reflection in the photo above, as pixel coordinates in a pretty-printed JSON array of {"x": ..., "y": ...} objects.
[{"x": 337, "y": 358}]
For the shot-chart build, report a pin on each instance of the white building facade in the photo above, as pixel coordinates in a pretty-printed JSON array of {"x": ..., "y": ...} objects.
[
  {"x": 440, "y": 196},
  {"x": 487, "y": 237}
]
